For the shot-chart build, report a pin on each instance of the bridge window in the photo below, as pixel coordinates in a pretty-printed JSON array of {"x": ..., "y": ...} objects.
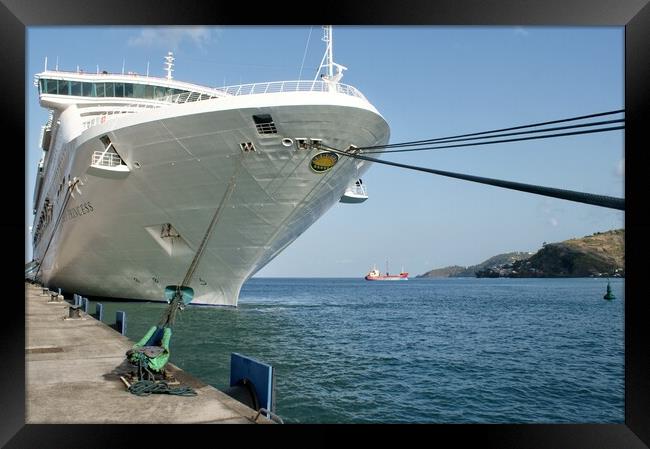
[
  {"x": 138, "y": 90},
  {"x": 64, "y": 87},
  {"x": 158, "y": 92},
  {"x": 88, "y": 89},
  {"x": 175, "y": 93},
  {"x": 75, "y": 88},
  {"x": 121, "y": 90},
  {"x": 52, "y": 86},
  {"x": 49, "y": 86}
]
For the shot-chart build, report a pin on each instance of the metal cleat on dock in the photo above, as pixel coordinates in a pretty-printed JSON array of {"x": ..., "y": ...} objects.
[
  {"x": 55, "y": 298},
  {"x": 74, "y": 313}
]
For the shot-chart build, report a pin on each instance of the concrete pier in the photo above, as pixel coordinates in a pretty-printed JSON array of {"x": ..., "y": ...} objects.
[{"x": 73, "y": 369}]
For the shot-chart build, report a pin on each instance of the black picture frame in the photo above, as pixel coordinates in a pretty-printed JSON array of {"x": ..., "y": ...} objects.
[{"x": 634, "y": 15}]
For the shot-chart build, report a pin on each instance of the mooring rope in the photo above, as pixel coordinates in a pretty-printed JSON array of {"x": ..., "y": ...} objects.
[
  {"x": 532, "y": 125},
  {"x": 208, "y": 233},
  {"x": 145, "y": 387},
  {"x": 149, "y": 385},
  {"x": 571, "y": 195},
  {"x": 169, "y": 315},
  {"x": 517, "y": 139}
]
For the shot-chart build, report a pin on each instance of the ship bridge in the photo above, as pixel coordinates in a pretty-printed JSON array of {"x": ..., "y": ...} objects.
[
  {"x": 58, "y": 89},
  {"x": 102, "y": 96}
]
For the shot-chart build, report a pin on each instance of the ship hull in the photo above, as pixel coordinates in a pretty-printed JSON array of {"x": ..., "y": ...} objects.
[
  {"x": 181, "y": 161},
  {"x": 386, "y": 278}
]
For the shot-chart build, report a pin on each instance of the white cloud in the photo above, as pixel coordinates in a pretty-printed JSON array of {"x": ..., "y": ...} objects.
[
  {"x": 550, "y": 210},
  {"x": 172, "y": 37},
  {"x": 620, "y": 168},
  {"x": 521, "y": 31}
]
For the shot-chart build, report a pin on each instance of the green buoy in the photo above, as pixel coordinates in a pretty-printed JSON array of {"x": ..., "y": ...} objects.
[{"x": 609, "y": 294}]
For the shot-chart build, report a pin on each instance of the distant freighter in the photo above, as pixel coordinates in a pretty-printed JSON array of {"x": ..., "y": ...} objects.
[{"x": 375, "y": 275}]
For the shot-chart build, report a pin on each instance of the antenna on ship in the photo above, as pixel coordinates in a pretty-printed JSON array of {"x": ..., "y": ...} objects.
[
  {"x": 328, "y": 59},
  {"x": 169, "y": 64}
]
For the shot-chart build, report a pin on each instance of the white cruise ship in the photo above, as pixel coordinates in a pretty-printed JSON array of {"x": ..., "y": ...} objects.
[{"x": 134, "y": 169}]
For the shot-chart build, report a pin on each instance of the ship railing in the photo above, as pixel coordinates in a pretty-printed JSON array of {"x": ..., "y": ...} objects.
[
  {"x": 291, "y": 86},
  {"x": 105, "y": 159},
  {"x": 252, "y": 89},
  {"x": 187, "y": 97},
  {"x": 265, "y": 88}
]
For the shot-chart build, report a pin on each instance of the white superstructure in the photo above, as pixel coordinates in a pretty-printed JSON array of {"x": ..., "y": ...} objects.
[{"x": 134, "y": 168}]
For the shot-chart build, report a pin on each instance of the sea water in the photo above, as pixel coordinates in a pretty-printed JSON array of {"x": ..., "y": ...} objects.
[{"x": 453, "y": 350}]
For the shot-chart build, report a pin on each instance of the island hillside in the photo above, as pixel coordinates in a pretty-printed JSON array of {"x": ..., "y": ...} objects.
[
  {"x": 456, "y": 271},
  {"x": 601, "y": 254}
]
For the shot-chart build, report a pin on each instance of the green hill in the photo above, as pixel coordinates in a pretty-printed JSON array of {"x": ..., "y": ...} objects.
[
  {"x": 445, "y": 272},
  {"x": 601, "y": 254},
  {"x": 598, "y": 255},
  {"x": 456, "y": 271}
]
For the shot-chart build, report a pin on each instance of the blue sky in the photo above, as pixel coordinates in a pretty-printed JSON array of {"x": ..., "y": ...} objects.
[{"x": 427, "y": 81}]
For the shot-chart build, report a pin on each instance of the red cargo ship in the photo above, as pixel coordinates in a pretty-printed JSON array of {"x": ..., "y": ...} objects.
[{"x": 375, "y": 275}]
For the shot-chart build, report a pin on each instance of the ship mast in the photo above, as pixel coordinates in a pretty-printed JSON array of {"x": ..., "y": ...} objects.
[
  {"x": 328, "y": 59},
  {"x": 329, "y": 51},
  {"x": 169, "y": 64}
]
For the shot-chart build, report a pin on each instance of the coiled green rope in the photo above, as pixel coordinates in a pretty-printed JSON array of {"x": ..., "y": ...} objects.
[{"x": 147, "y": 387}]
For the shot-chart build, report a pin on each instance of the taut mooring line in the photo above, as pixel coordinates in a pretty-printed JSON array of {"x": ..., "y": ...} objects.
[
  {"x": 169, "y": 315},
  {"x": 532, "y": 125},
  {"x": 518, "y": 139},
  {"x": 571, "y": 195},
  {"x": 208, "y": 233}
]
